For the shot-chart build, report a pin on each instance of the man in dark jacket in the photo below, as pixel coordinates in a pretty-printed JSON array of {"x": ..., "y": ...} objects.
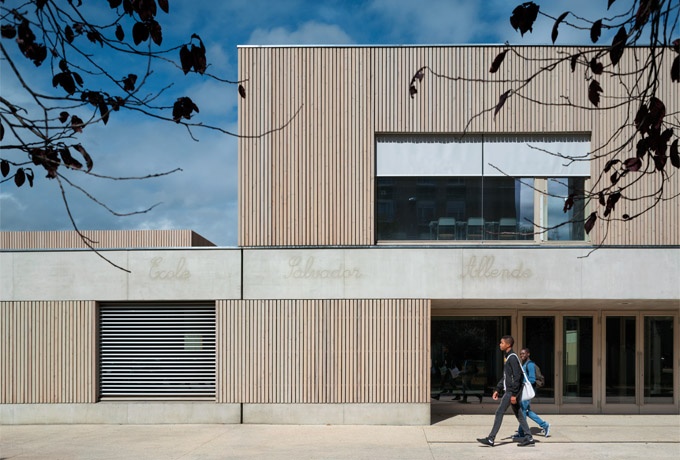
[{"x": 511, "y": 387}]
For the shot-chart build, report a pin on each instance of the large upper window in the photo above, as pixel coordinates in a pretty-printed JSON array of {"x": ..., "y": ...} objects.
[{"x": 480, "y": 187}]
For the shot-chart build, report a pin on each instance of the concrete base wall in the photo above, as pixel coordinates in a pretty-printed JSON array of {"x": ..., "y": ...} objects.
[
  {"x": 337, "y": 414},
  {"x": 132, "y": 413},
  {"x": 145, "y": 413}
]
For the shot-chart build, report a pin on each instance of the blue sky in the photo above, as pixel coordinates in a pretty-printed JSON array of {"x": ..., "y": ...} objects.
[{"x": 203, "y": 197}]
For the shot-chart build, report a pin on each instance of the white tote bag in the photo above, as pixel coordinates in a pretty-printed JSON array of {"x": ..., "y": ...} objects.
[{"x": 527, "y": 389}]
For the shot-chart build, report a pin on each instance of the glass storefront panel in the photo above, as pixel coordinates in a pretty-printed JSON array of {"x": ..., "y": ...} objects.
[
  {"x": 466, "y": 361},
  {"x": 577, "y": 363},
  {"x": 539, "y": 338},
  {"x": 620, "y": 358},
  {"x": 659, "y": 356}
]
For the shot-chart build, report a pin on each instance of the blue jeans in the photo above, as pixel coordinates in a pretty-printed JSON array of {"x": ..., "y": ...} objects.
[{"x": 529, "y": 414}]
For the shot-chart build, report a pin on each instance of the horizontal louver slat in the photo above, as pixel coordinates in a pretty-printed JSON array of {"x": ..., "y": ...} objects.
[{"x": 157, "y": 351}]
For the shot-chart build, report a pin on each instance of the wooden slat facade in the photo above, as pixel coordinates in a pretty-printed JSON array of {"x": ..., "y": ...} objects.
[
  {"x": 312, "y": 180},
  {"x": 323, "y": 351},
  {"x": 48, "y": 352},
  {"x": 102, "y": 239}
]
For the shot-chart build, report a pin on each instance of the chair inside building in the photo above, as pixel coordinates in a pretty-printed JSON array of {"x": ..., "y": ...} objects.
[
  {"x": 475, "y": 228},
  {"x": 446, "y": 228},
  {"x": 507, "y": 228}
]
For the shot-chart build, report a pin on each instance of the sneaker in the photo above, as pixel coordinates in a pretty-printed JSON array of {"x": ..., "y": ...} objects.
[
  {"x": 527, "y": 442},
  {"x": 517, "y": 438},
  {"x": 486, "y": 441},
  {"x": 546, "y": 431}
]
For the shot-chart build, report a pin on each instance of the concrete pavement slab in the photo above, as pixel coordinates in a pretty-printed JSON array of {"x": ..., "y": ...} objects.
[{"x": 575, "y": 436}]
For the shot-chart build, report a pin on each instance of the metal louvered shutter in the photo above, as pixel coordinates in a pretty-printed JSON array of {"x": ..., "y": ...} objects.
[{"x": 157, "y": 351}]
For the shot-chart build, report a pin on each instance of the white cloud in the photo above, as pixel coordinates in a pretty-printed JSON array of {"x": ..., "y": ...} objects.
[{"x": 309, "y": 33}]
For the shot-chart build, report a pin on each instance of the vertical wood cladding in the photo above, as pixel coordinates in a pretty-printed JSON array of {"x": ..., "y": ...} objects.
[
  {"x": 70, "y": 239},
  {"x": 48, "y": 352},
  {"x": 311, "y": 180},
  {"x": 323, "y": 351}
]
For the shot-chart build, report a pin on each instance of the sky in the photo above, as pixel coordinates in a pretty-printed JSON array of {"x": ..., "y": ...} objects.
[{"x": 203, "y": 196}]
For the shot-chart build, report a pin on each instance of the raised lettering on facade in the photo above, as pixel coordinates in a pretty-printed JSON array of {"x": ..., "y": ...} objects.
[
  {"x": 307, "y": 269},
  {"x": 485, "y": 267},
  {"x": 161, "y": 270}
]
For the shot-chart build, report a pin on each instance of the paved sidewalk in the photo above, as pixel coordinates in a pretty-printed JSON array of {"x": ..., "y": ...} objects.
[{"x": 573, "y": 437}]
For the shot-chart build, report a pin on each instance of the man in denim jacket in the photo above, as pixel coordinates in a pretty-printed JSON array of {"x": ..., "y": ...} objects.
[{"x": 530, "y": 370}]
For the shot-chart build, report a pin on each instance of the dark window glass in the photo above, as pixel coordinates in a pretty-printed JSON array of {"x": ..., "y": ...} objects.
[
  {"x": 620, "y": 372},
  {"x": 578, "y": 359},
  {"x": 454, "y": 208},
  {"x": 659, "y": 355},
  {"x": 566, "y": 226},
  {"x": 539, "y": 338}
]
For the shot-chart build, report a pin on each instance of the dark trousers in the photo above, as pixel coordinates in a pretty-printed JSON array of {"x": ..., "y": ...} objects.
[{"x": 500, "y": 412}]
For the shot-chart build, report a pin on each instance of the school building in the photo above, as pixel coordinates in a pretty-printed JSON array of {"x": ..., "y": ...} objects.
[{"x": 385, "y": 238}]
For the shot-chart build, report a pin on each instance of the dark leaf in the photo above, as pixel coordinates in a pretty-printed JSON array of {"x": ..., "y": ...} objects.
[
  {"x": 596, "y": 31},
  {"x": 68, "y": 160},
  {"x": 590, "y": 222},
  {"x": 155, "y": 31},
  {"x": 420, "y": 73},
  {"x": 568, "y": 203},
  {"x": 594, "y": 91},
  {"x": 574, "y": 61},
  {"x": 524, "y": 16},
  {"x": 496, "y": 64},
  {"x": 4, "y": 168},
  {"x": 86, "y": 156},
  {"x": 77, "y": 78},
  {"x": 63, "y": 65},
  {"x": 660, "y": 162},
  {"x": 675, "y": 69},
  {"x": 95, "y": 37},
  {"x": 19, "y": 177},
  {"x": 614, "y": 178},
  {"x": 633, "y": 164},
  {"x": 600, "y": 197},
  {"x": 29, "y": 177},
  {"x": 642, "y": 147},
  {"x": 120, "y": 34},
  {"x": 501, "y": 102},
  {"x": 674, "y": 156},
  {"x": 116, "y": 103},
  {"x": 145, "y": 8},
  {"x": 115, "y": 3},
  {"x": 643, "y": 12},
  {"x": 556, "y": 25},
  {"x": 77, "y": 124},
  {"x": 69, "y": 35},
  {"x": 63, "y": 117},
  {"x": 8, "y": 31},
  {"x": 676, "y": 45},
  {"x": 164, "y": 5},
  {"x": 412, "y": 90},
  {"x": 183, "y": 108},
  {"x": 609, "y": 3},
  {"x": 596, "y": 67},
  {"x": 40, "y": 4},
  {"x": 103, "y": 110},
  {"x": 657, "y": 111},
  {"x": 609, "y": 165},
  {"x": 611, "y": 202},
  {"x": 65, "y": 80},
  {"x": 185, "y": 59},
  {"x": 641, "y": 118},
  {"x": 2, "y": 131},
  {"x": 140, "y": 33},
  {"x": 199, "y": 61},
  {"x": 242, "y": 91},
  {"x": 129, "y": 82},
  {"x": 618, "y": 45}
]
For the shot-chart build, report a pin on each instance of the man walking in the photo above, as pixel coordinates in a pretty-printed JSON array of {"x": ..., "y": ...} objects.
[
  {"x": 511, "y": 386},
  {"x": 530, "y": 371}
]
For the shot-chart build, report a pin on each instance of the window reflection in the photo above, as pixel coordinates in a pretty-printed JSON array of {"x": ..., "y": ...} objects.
[
  {"x": 659, "y": 358},
  {"x": 454, "y": 208},
  {"x": 566, "y": 226}
]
